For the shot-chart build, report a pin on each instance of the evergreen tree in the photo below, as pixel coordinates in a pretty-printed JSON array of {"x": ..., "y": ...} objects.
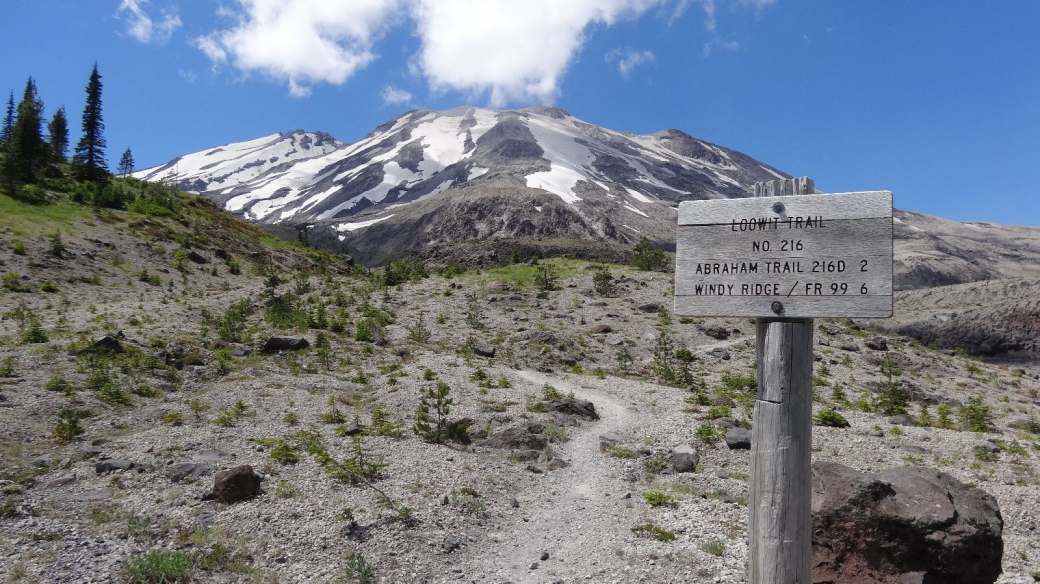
[
  {"x": 26, "y": 147},
  {"x": 90, "y": 151},
  {"x": 646, "y": 257},
  {"x": 126, "y": 164},
  {"x": 5, "y": 133},
  {"x": 58, "y": 130}
]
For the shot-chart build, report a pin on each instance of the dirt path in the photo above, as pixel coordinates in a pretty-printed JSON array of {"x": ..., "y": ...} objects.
[{"x": 581, "y": 516}]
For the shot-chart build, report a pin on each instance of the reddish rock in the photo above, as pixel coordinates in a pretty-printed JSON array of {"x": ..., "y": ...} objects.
[
  {"x": 236, "y": 484},
  {"x": 907, "y": 525}
]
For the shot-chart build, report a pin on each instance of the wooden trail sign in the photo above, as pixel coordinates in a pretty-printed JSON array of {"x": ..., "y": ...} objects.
[
  {"x": 784, "y": 259},
  {"x": 789, "y": 256}
]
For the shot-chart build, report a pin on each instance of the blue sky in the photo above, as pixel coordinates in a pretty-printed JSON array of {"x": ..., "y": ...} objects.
[{"x": 937, "y": 101}]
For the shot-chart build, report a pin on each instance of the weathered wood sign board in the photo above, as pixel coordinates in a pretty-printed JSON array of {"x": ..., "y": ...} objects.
[{"x": 799, "y": 256}]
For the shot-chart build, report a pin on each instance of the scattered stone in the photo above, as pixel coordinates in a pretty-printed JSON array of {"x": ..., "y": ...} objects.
[
  {"x": 851, "y": 348},
  {"x": 986, "y": 447},
  {"x": 573, "y": 407},
  {"x": 907, "y": 524},
  {"x": 60, "y": 482},
  {"x": 526, "y": 437},
  {"x": 111, "y": 465},
  {"x": 649, "y": 307},
  {"x": 352, "y": 430},
  {"x": 877, "y": 343},
  {"x": 236, "y": 484},
  {"x": 720, "y": 353},
  {"x": 190, "y": 471},
  {"x": 601, "y": 329},
  {"x": 556, "y": 464},
  {"x": 285, "y": 343},
  {"x": 105, "y": 344},
  {"x": 197, "y": 257},
  {"x": 726, "y": 423},
  {"x": 615, "y": 341},
  {"x": 915, "y": 449},
  {"x": 534, "y": 469},
  {"x": 525, "y": 455},
  {"x": 720, "y": 333},
  {"x": 451, "y": 543},
  {"x": 902, "y": 420},
  {"x": 738, "y": 439},
  {"x": 42, "y": 462},
  {"x": 607, "y": 440},
  {"x": 484, "y": 350},
  {"x": 241, "y": 351},
  {"x": 514, "y": 503},
  {"x": 500, "y": 286},
  {"x": 684, "y": 459},
  {"x": 221, "y": 254},
  {"x": 534, "y": 565},
  {"x": 210, "y": 456},
  {"x": 545, "y": 556}
]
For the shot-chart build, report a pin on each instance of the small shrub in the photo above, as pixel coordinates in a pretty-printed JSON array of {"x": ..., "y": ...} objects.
[
  {"x": 285, "y": 453},
  {"x": 60, "y": 384},
  {"x": 708, "y": 433},
  {"x": 68, "y": 426},
  {"x": 830, "y": 418},
  {"x": 646, "y": 257},
  {"x": 718, "y": 411},
  {"x": 659, "y": 499},
  {"x": 160, "y": 567},
  {"x": 975, "y": 415},
  {"x": 172, "y": 419},
  {"x": 359, "y": 570},
  {"x": 17, "y": 247},
  {"x": 621, "y": 452}
]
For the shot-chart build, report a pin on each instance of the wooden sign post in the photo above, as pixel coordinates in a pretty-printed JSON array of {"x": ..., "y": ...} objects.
[{"x": 784, "y": 258}]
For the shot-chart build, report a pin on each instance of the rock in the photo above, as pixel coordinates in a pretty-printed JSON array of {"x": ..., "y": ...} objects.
[
  {"x": 210, "y": 455},
  {"x": 607, "y": 440},
  {"x": 179, "y": 502},
  {"x": 515, "y": 504},
  {"x": 500, "y": 286},
  {"x": 720, "y": 333},
  {"x": 684, "y": 459},
  {"x": 236, "y": 484},
  {"x": 285, "y": 343},
  {"x": 601, "y": 329},
  {"x": 725, "y": 423},
  {"x": 241, "y": 351},
  {"x": 544, "y": 556},
  {"x": 986, "y": 447},
  {"x": 190, "y": 471},
  {"x": 352, "y": 430},
  {"x": 720, "y": 353},
  {"x": 615, "y": 341},
  {"x": 573, "y": 407},
  {"x": 221, "y": 254},
  {"x": 851, "y": 348},
  {"x": 541, "y": 337},
  {"x": 907, "y": 524},
  {"x": 525, "y": 455},
  {"x": 901, "y": 420},
  {"x": 738, "y": 439},
  {"x": 197, "y": 257},
  {"x": 915, "y": 449},
  {"x": 877, "y": 343},
  {"x": 557, "y": 463},
  {"x": 526, "y": 437},
  {"x": 61, "y": 482},
  {"x": 649, "y": 307},
  {"x": 41, "y": 462},
  {"x": 451, "y": 543},
  {"x": 1028, "y": 424},
  {"x": 111, "y": 465},
  {"x": 484, "y": 350},
  {"x": 534, "y": 469},
  {"x": 105, "y": 344}
]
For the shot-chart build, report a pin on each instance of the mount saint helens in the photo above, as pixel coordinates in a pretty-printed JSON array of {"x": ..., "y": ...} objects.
[{"x": 430, "y": 177}]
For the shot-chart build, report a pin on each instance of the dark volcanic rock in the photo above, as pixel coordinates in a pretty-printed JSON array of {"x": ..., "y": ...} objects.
[
  {"x": 111, "y": 465},
  {"x": 738, "y": 439},
  {"x": 526, "y": 437},
  {"x": 574, "y": 407},
  {"x": 684, "y": 459},
  {"x": 236, "y": 484},
  {"x": 877, "y": 343},
  {"x": 906, "y": 525},
  {"x": 283, "y": 343},
  {"x": 720, "y": 333}
]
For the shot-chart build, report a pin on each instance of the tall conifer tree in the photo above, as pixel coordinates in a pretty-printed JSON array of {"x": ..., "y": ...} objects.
[
  {"x": 126, "y": 164},
  {"x": 5, "y": 132},
  {"x": 26, "y": 146},
  {"x": 58, "y": 129},
  {"x": 90, "y": 151}
]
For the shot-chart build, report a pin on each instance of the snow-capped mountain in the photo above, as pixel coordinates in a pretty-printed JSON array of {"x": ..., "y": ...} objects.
[{"x": 468, "y": 173}]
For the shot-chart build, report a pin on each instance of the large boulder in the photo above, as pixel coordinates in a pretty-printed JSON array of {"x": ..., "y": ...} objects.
[
  {"x": 907, "y": 525},
  {"x": 236, "y": 484},
  {"x": 285, "y": 343},
  {"x": 573, "y": 407},
  {"x": 526, "y": 437}
]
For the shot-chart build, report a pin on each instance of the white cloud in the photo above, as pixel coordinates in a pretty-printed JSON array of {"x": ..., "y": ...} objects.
[
  {"x": 301, "y": 41},
  {"x": 394, "y": 96},
  {"x": 629, "y": 59},
  {"x": 143, "y": 28},
  {"x": 719, "y": 44},
  {"x": 188, "y": 75},
  {"x": 507, "y": 50},
  {"x": 515, "y": 51}
]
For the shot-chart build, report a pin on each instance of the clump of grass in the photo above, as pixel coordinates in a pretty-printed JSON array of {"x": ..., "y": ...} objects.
[
  {"x": 621, "y": 452},
  {"x": 159, "y": 567},
  {"x": 714, "y": 547},
  {"x": 651, "y": 530},
  {"x": 659, "y": 499}
]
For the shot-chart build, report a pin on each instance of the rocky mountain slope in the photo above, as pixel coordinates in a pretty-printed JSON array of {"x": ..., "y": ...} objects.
[{"x": 107, "y": 458}]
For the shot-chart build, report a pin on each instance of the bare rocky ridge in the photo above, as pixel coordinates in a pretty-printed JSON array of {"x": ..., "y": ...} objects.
[{"x": 479, "y": 512}]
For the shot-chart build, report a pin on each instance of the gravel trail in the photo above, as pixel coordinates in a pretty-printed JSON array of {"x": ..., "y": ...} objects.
[{"x": 584, "y": 513}]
